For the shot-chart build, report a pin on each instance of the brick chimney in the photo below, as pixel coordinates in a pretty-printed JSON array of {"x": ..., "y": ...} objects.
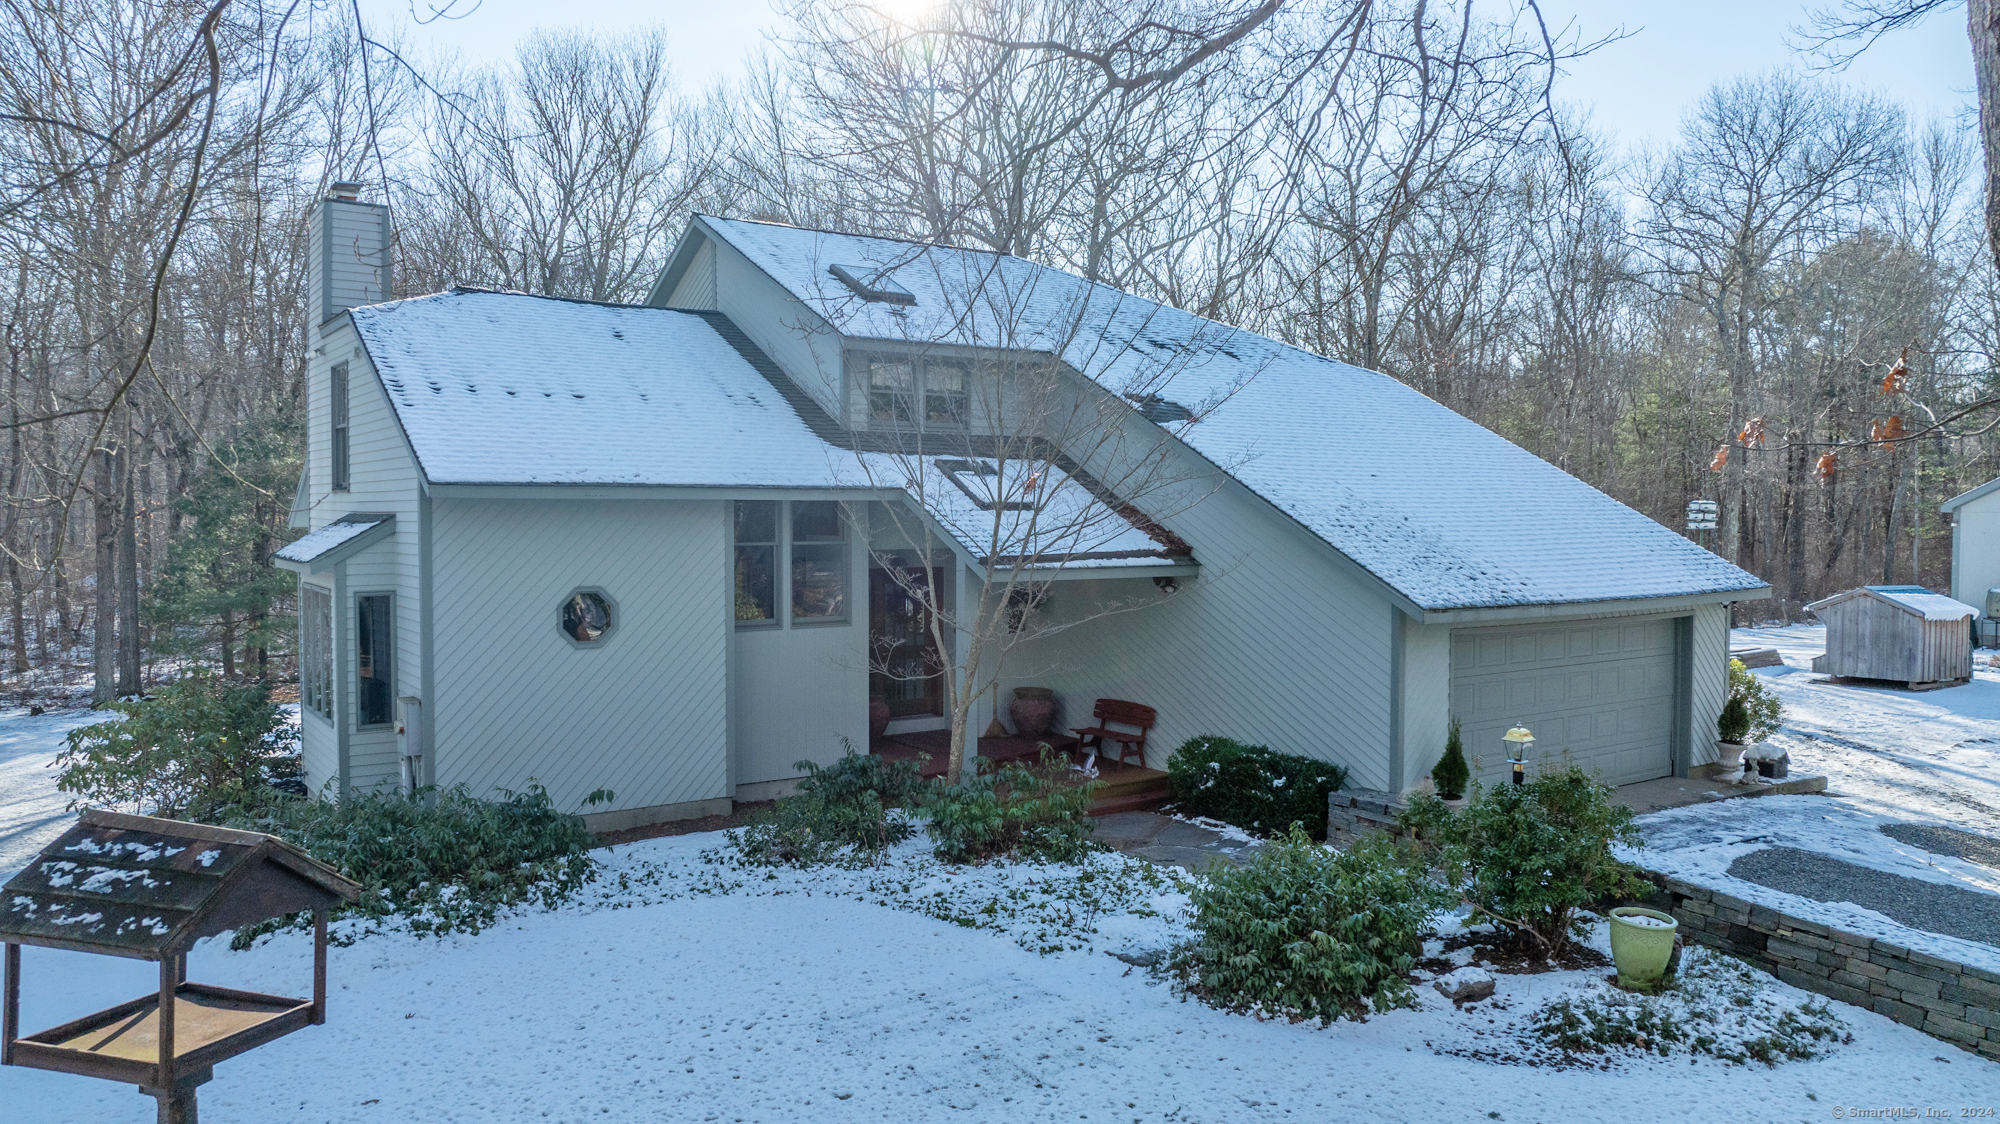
[{"x": 349, "y": 259}]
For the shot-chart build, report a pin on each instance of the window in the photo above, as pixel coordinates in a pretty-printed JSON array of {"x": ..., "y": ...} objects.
[
  {"x": 819, "y": 561},
  {"x": 944, "y": 394},
  {"x": 905, "y": 393},
  {"x": 892, "y": 388},
  {"x": 316, "y": 650},
  {"x": 586, "y": 617},
  {"x": 339, "y": 442},
  {"x": 374, "y": 671},
  {"x": 757, "y": 560}
]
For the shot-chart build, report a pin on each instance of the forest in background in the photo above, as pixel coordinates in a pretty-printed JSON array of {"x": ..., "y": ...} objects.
[{"x": 1790, "y": 309}]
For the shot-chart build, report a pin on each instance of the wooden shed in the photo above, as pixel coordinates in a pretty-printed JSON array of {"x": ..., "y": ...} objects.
[{"x": 1902, "y": 633}]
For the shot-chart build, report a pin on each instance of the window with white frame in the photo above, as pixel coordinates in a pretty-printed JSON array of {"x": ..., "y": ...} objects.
[
  {"x": 316, "y": 650},
  {"x": 819, "y": 561},
  {"x": 374, "y": 660}
]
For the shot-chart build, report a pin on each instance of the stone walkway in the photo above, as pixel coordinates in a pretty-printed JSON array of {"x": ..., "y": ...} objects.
[{"x": 1166, "y": 840}]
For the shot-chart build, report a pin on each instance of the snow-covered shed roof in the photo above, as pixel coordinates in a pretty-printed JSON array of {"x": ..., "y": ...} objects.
[
  {"x": 1441, "y": 509},
  {"x": 1909, "y": 598},
  {"x": 506, "y": 388}
]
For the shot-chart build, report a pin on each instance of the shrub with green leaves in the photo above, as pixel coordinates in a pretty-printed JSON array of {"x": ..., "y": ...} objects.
[
  {"x": 840, "y": 813},
  {"x": 1014, "y": 811},
  {"x": 1716, "y": 1006},
  {"x": 1251, "y": 786},
  {"x": 1307, "y": 932},
  {"x": 1753, "y": 712},
  {"x": 1451, "y": 774},
  {"x": 444, "y": 860},
  {"x": 196, "y": 746},
  {"x": 1529, "y": 856}
]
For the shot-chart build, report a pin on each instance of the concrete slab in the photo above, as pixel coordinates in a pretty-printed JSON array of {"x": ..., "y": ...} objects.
[
  {"x": 1170, "y": 842},
  {"x": 1679, "y": 792}
]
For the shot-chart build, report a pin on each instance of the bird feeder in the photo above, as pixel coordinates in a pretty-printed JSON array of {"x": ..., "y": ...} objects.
[
  {"x": 1518, "y": 740},
  {"x": 147, "y": 889}
]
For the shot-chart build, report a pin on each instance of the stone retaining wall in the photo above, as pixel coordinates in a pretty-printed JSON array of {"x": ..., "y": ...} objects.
[{"x": 1943, "y": 998}]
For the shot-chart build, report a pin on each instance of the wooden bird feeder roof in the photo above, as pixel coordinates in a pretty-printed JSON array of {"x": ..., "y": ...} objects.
[{"x": 148, "y": 888}]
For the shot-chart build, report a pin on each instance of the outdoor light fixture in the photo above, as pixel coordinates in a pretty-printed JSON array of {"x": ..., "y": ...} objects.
[
  {"x": 1167, "y": 585},
  {"x": 1518, "y": 740}
]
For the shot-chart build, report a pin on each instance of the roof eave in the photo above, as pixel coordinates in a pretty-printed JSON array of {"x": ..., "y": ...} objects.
[
  {"x": 1963, "y": 498},
  {"x": 327, "y": 559},
  {"x": 1553, "y": 610}
]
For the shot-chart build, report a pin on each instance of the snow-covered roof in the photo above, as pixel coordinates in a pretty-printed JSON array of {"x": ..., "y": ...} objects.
[
  {"x": 317, "y": 545},
  {"x": 506, "y": 388},
  {"x": 1441, "y": 509},
  {"x": 1912, "y": 598}
]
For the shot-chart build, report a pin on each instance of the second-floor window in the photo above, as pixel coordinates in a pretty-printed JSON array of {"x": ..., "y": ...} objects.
[
  {"x": 339, "y": 442},
  {"x": 907, "y": 393}
]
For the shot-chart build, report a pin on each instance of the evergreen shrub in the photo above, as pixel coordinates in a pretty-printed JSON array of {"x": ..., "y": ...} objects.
[
  {"x": 1251, "y": 786},
  {"x": 196, "y": 746},
  {"x": 1451, "y": 774},
  {"x": 1305, "y": 932},
  {"x": 841, "y": 812},
  {"x": 1530, "y": 856},
  {"x": 1757, "y": 707},
  {"x": 1013, "y": 812}
]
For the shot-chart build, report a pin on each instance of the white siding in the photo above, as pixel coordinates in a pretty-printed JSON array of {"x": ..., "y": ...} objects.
[
  {"x": 644, "y": 714},
  {"x": 383, "y": 477},
  {"x": 1709, "y": 667},
  {"x": 349, "y": 263},
  {"x": 1274, "y": 644},
  {"x": 697, "y": 286},
  {"x": 1426, "y": 697},
  {"x": 1975, "y": 550},
  {"x": 795, "y": 337}
]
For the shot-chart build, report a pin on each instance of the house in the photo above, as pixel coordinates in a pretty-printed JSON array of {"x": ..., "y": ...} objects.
[
  {"x": 1975, "y": 551},
  {"x": 1903, "y": 633},
  {"x": 665, "y": 549}
]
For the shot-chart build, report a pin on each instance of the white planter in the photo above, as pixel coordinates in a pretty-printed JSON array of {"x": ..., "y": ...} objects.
[{"x": 1729, "y": 768}]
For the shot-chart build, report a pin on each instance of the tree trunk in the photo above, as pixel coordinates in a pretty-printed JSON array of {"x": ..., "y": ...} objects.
[
  {"x": 129, "y": 679},
  {"x": 104, "y": 532},
  {"x": 1982, "y": 19}
]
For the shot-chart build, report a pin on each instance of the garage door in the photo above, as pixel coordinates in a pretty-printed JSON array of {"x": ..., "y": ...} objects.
[{"x": 1601, "y": 691}]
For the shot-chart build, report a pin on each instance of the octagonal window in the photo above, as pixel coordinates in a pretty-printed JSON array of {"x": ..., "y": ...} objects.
[{"x": 587, "y": 616}]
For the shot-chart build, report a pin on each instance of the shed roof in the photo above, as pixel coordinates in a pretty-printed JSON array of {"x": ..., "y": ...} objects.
[
  {"x": 1909, "y": 598},
  {"x": 147, "y": 888},
  {"x": 1444, "y": 511}
]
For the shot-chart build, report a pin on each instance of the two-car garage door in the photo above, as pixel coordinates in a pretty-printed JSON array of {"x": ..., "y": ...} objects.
[{"x": 1601, "y": 692}]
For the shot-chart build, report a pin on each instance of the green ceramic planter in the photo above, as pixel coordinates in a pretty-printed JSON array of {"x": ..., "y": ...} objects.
[{"x": 1642, "y": 944}]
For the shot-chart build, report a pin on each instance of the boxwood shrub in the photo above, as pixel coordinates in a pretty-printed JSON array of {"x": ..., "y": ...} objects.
[{"x": 1252, "y": 786}]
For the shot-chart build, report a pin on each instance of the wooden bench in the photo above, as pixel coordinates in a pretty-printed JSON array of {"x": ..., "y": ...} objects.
[{"x": 1092, "y": 740}]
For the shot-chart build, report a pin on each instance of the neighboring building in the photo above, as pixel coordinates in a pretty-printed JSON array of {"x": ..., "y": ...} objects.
[
  {"x": 1975, "y": 545},
  {"x": 644, "y": 548}
]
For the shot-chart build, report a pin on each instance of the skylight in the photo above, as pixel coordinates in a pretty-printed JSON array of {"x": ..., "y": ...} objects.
[
  {"x": 873, "y": 284},
  {"x": 1154, "y": 408}
]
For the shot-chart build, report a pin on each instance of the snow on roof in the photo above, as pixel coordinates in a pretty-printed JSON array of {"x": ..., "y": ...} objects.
[
  {"x": 1914, "y": 598},
  {"x": 1441, "y": 509},
  {"x": 308, "y": 547},
  {"x": 506, "y": 388}
]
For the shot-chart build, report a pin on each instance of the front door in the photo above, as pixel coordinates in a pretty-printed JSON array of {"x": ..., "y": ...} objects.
[{"x": 903, "y": 664}]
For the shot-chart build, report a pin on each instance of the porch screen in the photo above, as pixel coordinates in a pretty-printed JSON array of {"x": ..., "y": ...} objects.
[
  {"x": 374, "y": 691},
  {"x": 316, "y": 650}
]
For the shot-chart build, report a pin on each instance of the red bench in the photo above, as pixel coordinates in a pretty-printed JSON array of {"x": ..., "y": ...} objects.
[{"x": 1093, "y": 740}]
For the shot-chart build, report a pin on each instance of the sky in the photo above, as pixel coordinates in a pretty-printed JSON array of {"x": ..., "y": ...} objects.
[{"x": 1636, "y": 88}]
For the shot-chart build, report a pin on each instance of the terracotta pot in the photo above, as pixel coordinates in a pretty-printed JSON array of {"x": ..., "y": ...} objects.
[
  {"x": 1455, "y": 802},
  {"x": 1033, "y": 709},
  {"x": 878, "y": 716}
]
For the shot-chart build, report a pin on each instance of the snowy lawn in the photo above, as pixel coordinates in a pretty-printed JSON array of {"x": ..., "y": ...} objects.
[
  {"x": 31, "y": 809},
  {"x": 681, "y": 990}
]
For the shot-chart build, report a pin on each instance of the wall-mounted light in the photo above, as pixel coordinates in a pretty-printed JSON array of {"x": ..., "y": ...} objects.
[{"x": 1167, "y": 586}]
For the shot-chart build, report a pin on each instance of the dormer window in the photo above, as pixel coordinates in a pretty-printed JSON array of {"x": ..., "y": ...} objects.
[
  {"x": 906, "y": 393},
  {"x": 873, "y": 284}
]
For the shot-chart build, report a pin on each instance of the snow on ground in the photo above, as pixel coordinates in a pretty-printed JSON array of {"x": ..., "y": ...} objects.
[
  {"x": 1889, "y": 756},
  {"x": 31, "y": 808},
  {"x": 784, "y": 999}
]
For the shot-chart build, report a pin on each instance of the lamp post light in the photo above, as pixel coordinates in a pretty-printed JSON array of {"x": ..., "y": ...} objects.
[{"x": 1518, "y": 740}]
